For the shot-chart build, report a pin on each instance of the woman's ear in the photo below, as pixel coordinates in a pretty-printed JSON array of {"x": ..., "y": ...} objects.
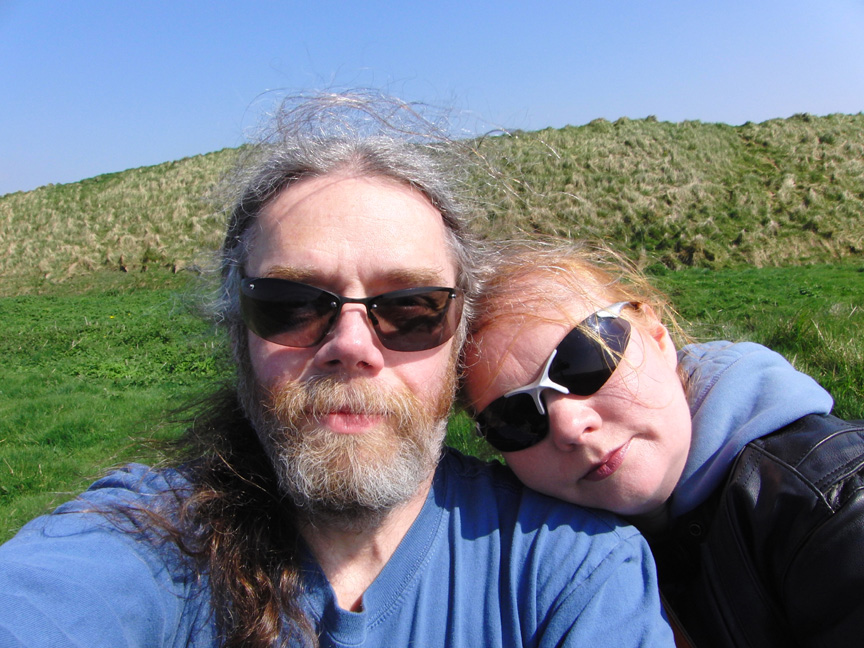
[{"x": 660, "y": 334}]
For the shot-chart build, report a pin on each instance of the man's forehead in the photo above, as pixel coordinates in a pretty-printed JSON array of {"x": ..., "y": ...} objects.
[{"x": 329, "y": 229}]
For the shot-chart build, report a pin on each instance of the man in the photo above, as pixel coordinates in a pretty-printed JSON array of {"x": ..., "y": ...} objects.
[{"x": 317, "y": 507}]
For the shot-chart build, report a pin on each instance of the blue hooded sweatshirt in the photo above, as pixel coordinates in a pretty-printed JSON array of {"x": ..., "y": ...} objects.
[{"x": 737, "y": 393}]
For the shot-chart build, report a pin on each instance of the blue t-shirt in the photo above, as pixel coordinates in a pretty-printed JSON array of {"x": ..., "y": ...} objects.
[{"x": 487, "y": 563}]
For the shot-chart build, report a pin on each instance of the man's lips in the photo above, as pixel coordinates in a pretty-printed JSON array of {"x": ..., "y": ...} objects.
[
  {"x": 347, "y": 422},
  {"x": 609, "y": 465}
]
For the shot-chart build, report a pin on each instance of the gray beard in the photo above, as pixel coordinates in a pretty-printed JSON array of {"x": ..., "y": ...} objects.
[{"x": 349, "y": 481}]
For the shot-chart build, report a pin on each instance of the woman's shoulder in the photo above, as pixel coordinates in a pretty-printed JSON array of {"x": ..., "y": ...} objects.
[{"x": 820, "y": 450}]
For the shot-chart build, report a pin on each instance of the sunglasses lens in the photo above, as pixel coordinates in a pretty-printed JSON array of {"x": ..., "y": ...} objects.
[
  {"x": 416, "y": 319},
  {"x": 588, "y": 355},
  {"x": 297, "y": 315},
  {"x": 512, "y": 424},
  {"x": 285, "y": 312},
  {"x": 584, "y": 360}
]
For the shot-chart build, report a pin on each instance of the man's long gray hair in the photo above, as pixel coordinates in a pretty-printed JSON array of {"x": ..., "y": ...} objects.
[{"x": 235, "y": 522}]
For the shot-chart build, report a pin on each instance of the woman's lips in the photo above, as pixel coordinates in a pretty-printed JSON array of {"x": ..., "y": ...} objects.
[{"x": 610, "y": 464}]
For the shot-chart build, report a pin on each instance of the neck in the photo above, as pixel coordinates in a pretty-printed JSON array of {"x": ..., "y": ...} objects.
[
  {"x": 353, "y": 555},
  {"x": 652, "y": 522}
]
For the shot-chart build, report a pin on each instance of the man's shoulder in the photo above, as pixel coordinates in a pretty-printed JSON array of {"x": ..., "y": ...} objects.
[
  {"x": 110, "y": 502},
  {"x": 457, "y": 465},
  {"x": 571, "y": 556},
  {"x": 91, "y": 576},
  {"x": 117, "y": 524},
  {"x": 491, "y": 491},
  {"x": 134, "y": 485}
]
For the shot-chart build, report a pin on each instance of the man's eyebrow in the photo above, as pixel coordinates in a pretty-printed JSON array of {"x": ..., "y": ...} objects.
[
  {"x": 292, "y": 273},
  {"x": 414, "y": 277},
  {"x": 402, "y": 277}
]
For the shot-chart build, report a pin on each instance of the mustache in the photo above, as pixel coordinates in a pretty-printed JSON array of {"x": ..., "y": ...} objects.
[{"x": 321, "y": 395}]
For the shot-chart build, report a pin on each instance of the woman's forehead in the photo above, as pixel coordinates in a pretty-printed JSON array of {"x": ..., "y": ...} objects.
[
  {"x": 540, "y": 306},
  {"x": 520, "y": 333}
]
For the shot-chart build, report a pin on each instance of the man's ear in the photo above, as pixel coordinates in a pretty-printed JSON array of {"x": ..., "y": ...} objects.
[{"x": 660, "y": 334}]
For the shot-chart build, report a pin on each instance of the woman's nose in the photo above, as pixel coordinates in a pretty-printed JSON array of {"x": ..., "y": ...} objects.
[{"x": 570, "y": 419}]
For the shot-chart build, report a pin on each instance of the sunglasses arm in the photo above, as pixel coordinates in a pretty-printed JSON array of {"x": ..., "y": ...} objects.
[{"x": 536, "y": 388}]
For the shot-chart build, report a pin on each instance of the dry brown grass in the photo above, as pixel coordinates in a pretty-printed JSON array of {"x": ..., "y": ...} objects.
[
  {"x": 129, "y": 221},
  {"x": 786, "y": 191}
]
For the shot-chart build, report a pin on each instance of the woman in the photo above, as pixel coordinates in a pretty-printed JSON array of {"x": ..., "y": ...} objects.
[{"x": 726, "y": 457}]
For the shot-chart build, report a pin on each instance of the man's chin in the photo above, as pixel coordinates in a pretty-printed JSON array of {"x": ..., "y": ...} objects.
[
  {"x": 349, "y": 450},
  {"x": 357, "y": 478}
]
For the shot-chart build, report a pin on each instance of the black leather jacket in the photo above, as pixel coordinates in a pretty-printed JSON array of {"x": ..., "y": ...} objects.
[{"x": 776, "y": 556}]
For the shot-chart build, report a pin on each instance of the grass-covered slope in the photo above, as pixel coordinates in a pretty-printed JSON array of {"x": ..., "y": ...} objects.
[
  {"x": 783, "y": 192},
  {"x": 761, "y": 222},
  {"x": 130, "y": 221}
]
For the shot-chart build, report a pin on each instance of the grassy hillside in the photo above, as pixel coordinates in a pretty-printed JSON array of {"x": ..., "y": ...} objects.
[
  {"x": 760, "y": 222},
  {"x": 157, "y": 216},
  {"x": 787, "y": 191},
  {"x": 778, "y": 193}
]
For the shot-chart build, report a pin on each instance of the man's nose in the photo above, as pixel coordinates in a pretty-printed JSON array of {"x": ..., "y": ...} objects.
[
  {"x": 352, "y": 345},
  {"x": 571, "y": 418}
]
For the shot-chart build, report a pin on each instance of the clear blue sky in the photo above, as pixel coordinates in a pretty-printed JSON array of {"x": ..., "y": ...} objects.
[{"x": 94, "y": 86}]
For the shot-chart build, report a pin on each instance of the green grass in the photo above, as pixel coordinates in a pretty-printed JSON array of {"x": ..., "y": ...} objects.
[
  {"x": 87, "y": 378},
  {"x": 755, "y": 231},
  {"x": 93, "y": 367},
  {"x": 813, "y": 315}
]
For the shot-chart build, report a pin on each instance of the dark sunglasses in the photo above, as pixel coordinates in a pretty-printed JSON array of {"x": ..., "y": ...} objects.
[
  {"x": 581, "y": 364},
  {"x": 298, "y": 315}
]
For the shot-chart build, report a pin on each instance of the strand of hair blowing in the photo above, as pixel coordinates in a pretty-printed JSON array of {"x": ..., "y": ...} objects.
[{"x": 244, "y": 536}]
